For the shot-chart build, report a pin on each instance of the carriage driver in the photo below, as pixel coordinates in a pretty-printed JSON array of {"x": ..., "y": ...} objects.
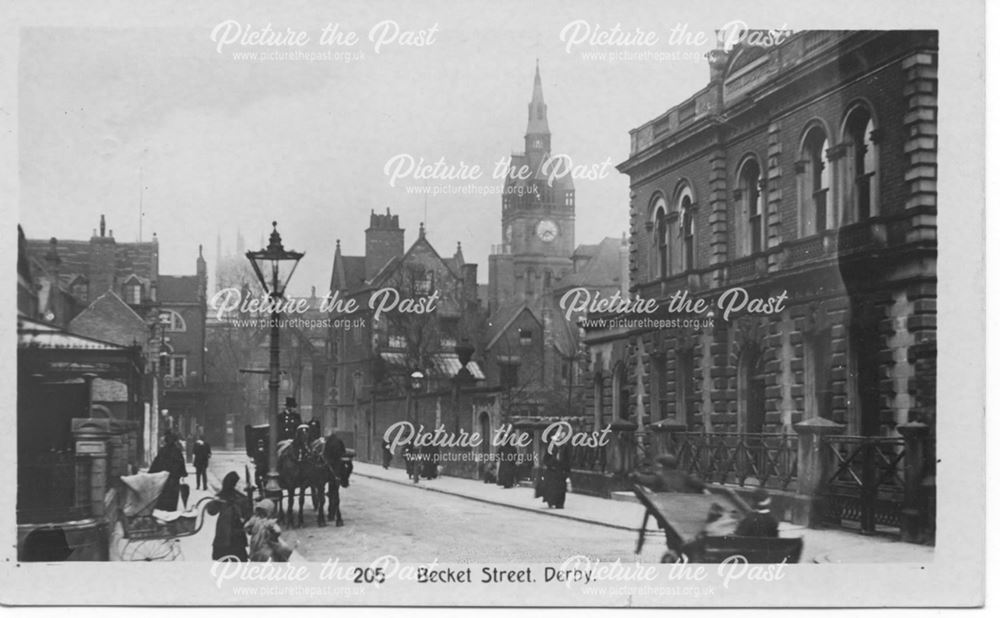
[{"x": 288, "y": 420}]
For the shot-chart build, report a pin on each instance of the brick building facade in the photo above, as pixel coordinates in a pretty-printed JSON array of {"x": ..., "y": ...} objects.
[{"x": 114, "y": 291}]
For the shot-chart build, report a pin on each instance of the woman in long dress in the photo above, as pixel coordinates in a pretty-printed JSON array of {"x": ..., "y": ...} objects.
[
  {"x": 555, "y": 473},
  {"x": 170, "y": 459},
  {"x": 230, "y": 543},
  {"x": 506, "y": 465}
]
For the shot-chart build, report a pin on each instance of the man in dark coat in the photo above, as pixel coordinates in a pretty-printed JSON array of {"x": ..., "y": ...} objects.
[
  {"x": 288, "y": 420},
  {"x": 170, "y": 459},
  {"x": 202, "y": 453}
]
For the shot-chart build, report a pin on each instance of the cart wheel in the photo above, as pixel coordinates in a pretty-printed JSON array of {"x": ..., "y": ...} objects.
[{"x": 670, "y": 557}]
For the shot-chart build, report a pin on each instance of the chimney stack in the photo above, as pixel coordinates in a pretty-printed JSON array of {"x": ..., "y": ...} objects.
[{"x": 383, "y": 241}]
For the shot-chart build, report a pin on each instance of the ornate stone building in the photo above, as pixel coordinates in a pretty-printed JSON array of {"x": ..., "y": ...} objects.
[
  {"x": 532, "y": 352},
  {"x": 805, "y": 169}
]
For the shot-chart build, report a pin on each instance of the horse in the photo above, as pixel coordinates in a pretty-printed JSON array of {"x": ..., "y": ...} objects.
[
  {"x": 323, "y": 465},
  {"x": 339, "y": 463},
  {"x": 297, "y": 466}
]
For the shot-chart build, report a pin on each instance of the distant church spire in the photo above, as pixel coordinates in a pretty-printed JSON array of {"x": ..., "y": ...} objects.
[{"x": 537, "y": 136}]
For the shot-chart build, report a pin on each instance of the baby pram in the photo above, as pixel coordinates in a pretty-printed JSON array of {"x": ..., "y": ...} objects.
[
  {"x": 683, "y": 518},
  {"x": 147, "y": 535}
]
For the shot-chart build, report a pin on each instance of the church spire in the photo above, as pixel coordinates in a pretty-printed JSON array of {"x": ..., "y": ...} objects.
[{"x": 537, "y": 136}]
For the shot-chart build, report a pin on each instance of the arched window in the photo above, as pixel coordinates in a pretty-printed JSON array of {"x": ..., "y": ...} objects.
[
  {"x": 662, "y": 237},
  {"x": 750, "y": 215},
  {"x": 133, "y": 292},
  {"x": 174, "y": 322},
  {"x": 814, "y": 183},
  {"x": 685, "y": 204},
  {"x": 859, "y": 175}
]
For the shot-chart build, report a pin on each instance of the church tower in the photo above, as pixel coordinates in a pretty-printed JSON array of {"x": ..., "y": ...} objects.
[{"x": 538, "y": 215}]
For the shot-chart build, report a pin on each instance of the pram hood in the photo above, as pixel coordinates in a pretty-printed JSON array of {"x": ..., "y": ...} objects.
[{"x": 142, "y": 490}]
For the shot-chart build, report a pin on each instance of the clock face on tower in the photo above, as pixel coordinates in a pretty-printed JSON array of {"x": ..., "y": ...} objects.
[{"x": 547, "y": 230}]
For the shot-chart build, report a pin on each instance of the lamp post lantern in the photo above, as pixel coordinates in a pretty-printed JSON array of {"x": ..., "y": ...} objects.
[{"x": 274, "y": 266}]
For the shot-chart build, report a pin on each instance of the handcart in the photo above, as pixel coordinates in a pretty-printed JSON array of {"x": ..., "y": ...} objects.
[
  {"x": 146, "y": 536},
  {"x": 683, "y": 519}
]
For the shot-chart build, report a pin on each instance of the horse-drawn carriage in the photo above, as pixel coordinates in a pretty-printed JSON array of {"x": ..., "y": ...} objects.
[
  {"x": 683, "y": 518},
  {"x": 147, "y": 535},
  {"x": 306, "y": 460}
]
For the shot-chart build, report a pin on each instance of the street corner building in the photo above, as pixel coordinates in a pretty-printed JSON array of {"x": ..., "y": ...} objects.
[
  {"x": 807, "y": 169},
  {"x": 110, "y": 355}
]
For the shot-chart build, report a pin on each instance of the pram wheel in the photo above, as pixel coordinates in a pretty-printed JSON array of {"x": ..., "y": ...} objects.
[{"x": 671, "y": 557}]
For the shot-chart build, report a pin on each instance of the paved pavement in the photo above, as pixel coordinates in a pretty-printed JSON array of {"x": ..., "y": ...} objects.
[
  {"x": 820, "y": 545},
  {"x": 461, "y": 520}
]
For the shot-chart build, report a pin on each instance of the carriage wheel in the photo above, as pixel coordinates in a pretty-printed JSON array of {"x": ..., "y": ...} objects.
[{"x": 149, "y": 550}]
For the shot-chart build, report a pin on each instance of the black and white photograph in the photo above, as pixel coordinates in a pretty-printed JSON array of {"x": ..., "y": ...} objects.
[{"x": 482, "y": 303}]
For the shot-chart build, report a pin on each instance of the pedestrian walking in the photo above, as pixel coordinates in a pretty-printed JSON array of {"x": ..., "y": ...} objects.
[
  {"x": 412, "y": 459},
  {"x": 555, "y": 474},
  {"x": 386, "y": 454},
  {"x": 169, "y": 459},
  {"x": 431, "y": 455},
  {"x": 230, "y": 543},
  {"x": 506, "y": 475},
  {"x": 202, "y": 453}
]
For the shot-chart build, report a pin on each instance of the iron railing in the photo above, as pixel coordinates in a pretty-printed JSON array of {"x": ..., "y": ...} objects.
[
  {"x": 866, "y": 481},
  {"x": 768, "y": 459},
  {"x": 589, "y": 459}
]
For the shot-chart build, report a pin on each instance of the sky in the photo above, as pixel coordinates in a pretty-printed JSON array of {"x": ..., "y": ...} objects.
[{"x": 213, "y": 144}]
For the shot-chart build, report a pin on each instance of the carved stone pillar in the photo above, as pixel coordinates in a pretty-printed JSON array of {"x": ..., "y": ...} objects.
[{"x": 815, "y": 463}]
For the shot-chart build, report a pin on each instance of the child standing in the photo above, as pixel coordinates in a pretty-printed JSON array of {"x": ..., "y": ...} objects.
[{"x": 265, "y": 535}]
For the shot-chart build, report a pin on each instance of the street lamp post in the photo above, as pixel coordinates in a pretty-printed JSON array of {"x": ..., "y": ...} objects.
[
  {"x": 415, "y": 385},
  {"x": 274, "y": 266},
  {"x": 158, "y": 337},
  {"x": 164, "y": 361}
]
